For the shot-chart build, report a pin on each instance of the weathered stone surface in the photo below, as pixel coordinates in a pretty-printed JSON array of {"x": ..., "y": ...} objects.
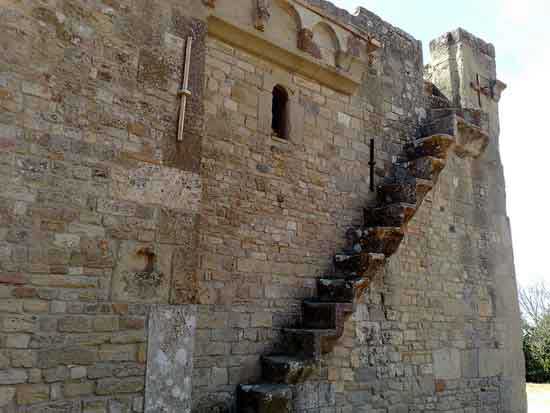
[
  {"x": 151, "y": 184},
  {"x": 170, "y": 358},
  {"x": 120, "y": 386},
  {"x": 336, "y": 290},
  {"x": 66, "y": 356},
  {"x": 6, "y": 395},
  {"x": 265, "y": 398},
  {"x": 287, "y": 370},
  {"x": 32, "y": 393},
  {"x": 13, "y": 376},
  {"x": 98, "y": 200},
  {"x": 143, "y": 272},
  {"x": 447, "y": 364}
]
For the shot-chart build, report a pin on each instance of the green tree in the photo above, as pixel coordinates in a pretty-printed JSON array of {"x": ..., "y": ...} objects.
[
  {"x": 535, "y": 310},
  {"x": 536, "y": 345}
]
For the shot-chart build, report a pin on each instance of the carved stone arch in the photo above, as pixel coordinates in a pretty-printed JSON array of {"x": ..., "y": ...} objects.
[
  {"x": 326, "y": 39},
  {"x": 284, "y": 24},
  {"x": 292, "y": 11}
]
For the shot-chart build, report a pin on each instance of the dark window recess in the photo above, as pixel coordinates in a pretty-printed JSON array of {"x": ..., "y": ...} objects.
[{"x": 279, "y": 120}]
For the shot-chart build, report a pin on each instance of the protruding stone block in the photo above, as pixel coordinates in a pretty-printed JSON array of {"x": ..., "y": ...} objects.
[
  {"x": 170, "y": 359},
  {"x": 287, "y": 370},
  {"x": 447, "y": 364},
  {"x": 335, "y": 290},
  {"x": 143, "y": 272},
  {"x": 265, "y": 398}
]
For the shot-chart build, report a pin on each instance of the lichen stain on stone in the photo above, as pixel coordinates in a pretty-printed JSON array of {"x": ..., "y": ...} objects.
[
  {"x": 153, "y": 70},
  {"x": 152, "y": 184},
  {"x": 171, "y": 338},
  {"x": 45, "y": 15},
  {"x": 145, "y": 283},
  {"x": 139, "y": 277},
  {"x": 50, "y": 18},
  {"x": 142, "y": 284}
]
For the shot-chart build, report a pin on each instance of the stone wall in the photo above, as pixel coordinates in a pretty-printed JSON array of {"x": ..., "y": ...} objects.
[
  {"x": 430, "y": 335},
  {"x": 99, "y": 204},
  {"x": 274, "y": 211},
  {"x": 106, "y": 217}
]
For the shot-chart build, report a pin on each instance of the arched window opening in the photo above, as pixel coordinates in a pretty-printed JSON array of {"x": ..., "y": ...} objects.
[{"x": 279, "y": 120}]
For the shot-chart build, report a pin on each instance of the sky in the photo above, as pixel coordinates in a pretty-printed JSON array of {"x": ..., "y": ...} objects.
[{"x": 520, "y": 31}]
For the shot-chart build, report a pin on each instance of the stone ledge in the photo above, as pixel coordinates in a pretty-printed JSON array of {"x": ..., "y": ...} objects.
[
  {"x": 469, "y": 128},
  {"x": 256, "y": 43},
  {"x": 471, "y": 140}
]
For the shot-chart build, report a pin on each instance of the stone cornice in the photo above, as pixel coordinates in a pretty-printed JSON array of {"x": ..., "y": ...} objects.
[{"x": 255, "y": 42}]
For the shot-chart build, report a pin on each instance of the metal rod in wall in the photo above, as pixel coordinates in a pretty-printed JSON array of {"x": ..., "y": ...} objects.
[
  {"x": 372, "y": 164},
  {"x": 184, "y": 92}
]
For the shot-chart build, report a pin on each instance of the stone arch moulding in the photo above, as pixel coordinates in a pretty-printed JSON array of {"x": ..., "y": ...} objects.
[
  {"x": 327, "y": 41},
  {"x": 285, "y": 36},
  {"x": 284, "y": 23}
]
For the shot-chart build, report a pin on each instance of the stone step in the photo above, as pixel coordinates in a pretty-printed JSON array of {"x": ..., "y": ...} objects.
[
  {"x": 439, "y": 113},
  {"x": 426, "y": 167},
  {"x": 410, "y": 191},
  {"x": 288, "y": 369},
  {"x": 423, "y": 186},
  {"x": 325, "y": 314},
  {"x": 356, "y": 264},
  {"x": 347, "y": 262},
  {"x": 339, "y": 290},
  {"x": 437, "y": 145},
  {"x": 442, "y": 122},
  {"x": 391, "y": 215},
  {"x": 264, "y": 398},
  {"x": 309, "y": 343},
  {"x": 382, "y": 240},
  {"x": 396, "y": 192}
]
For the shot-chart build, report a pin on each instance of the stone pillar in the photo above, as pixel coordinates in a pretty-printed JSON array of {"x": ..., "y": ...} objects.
[
  {"x": 463, "y": 68},
  {"x": 170, "y": 352}
]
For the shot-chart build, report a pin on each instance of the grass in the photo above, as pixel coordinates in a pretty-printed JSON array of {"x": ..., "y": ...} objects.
[{"x": 538, "y": 396}]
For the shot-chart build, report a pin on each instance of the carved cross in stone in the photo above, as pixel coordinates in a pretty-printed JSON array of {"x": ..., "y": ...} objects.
[
  {"x": 483, "y": 90},
  {"x": 477, "y": 87},
  {"x": 184, "y": 92},
  {"x": 263, "y": 14}
]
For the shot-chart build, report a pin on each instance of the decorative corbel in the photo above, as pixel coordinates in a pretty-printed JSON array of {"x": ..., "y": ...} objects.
[
  {"x": 373, "y": 46},
  {"x": 307, "y": 44},
  {"x": 345, "y": 58},
  {"x": 354, "y": 46},
  {"x": 210, "y": 3},
  {"x": 497, "y": 88},
  {"x": 263, "y": 13}
]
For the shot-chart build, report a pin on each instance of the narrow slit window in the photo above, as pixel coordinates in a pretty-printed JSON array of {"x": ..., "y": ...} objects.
[{"x": 279, "y": 120}]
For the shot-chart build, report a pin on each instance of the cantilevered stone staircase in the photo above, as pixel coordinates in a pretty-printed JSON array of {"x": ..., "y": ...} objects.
[{"x": 399, "y": 196}]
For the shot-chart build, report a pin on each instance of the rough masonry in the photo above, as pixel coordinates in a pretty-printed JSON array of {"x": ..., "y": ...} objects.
[{"x": 230, "y": 254}]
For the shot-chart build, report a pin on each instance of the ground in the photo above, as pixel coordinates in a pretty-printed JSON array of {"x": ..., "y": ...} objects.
[{"x": 538, "y": 396}]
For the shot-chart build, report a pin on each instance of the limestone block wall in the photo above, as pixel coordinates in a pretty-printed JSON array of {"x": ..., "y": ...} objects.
[
  {"x": 430, "y": 335},
  {"x": 275, "y": 211},
  {"x": 98, "y": 203},
  {"x": 105, "y": 217}
]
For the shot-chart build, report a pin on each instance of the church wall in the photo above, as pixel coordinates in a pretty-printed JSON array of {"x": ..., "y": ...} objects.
[
  {"x": 109, "y": 226},
  {"x": 98, "y": 203},
  {"x": 431, "y": 334},
  {"x": 275, "y": 211}
]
